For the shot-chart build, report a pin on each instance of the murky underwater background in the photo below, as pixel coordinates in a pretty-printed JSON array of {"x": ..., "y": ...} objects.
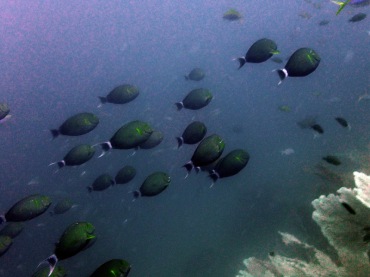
[{"x": 57, "y": 57}]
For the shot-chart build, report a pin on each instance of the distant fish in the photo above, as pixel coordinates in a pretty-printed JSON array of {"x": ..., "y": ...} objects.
[
  {"x": 364, "y": 97},
  {"x": 307, "y": 122},
  {"x": 359, "y": 3},
  {"x": 232, "y": 15},
  {"x": 305, "y": 15},
  {"x": 324, "y": 22},
  {"x": 343, "y": 122},
  {"x": 332, "y": 160},
  {"x": 357, "y": 17},
  {"x": 284, "y": 108},
  {"x": 287, "y": 152},
  {"x": 196, "y": 74},
  {"x": 317, "y": 128}
]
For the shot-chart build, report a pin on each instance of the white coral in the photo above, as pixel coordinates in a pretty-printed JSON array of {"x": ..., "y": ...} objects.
[
  {"x": 363, "y": 188},
  {"x": 345, "y": 221}
]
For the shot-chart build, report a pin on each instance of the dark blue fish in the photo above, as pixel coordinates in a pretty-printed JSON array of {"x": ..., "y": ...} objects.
[
  {"x": 317, "y": 128},
  {"x": 332, "y": 160},
  {"x": 359, "y": 3},
  {"x": 342, "y": 122},
  {"x": 301, "y": 63},
  {"x": 357, "y": 17}
]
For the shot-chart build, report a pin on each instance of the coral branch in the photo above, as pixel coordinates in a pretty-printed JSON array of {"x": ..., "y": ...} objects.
[{"x": 345, "y": 221}]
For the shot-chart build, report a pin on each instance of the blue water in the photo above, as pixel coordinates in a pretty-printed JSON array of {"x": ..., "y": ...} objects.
[{"x": 57, "y": 57}]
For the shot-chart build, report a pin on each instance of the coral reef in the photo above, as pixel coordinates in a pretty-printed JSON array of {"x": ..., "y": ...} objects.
[{"x": 345, "y": 221}]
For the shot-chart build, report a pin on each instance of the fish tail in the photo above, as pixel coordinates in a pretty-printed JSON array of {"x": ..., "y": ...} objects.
[
  {"x": 54, "y": 133},
  {"x": 103, "y": 99},
  {"x": 2, "y": 219},
  {"x": 282, "y": 74},
  {"x": 180, "y": 141},
  {"x": 106, "y": 146},
  {"x": 136, "y": 194},
  {"x": 57, "y": 163},
  {"x": 186, "y": 77},
  {"x": 189, "y": 166},
  {"x": 179, "y": 105},
  {"x": 242, "y": 62},
  {"x": 61, "y": 163},
  {"x": 51, "y": 261},
  {"x": 89, "y": 189},
  {"x": 214, "y": 176}
]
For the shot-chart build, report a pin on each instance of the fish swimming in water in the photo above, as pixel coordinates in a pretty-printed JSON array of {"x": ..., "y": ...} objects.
[
  {"x": 301, "y": 63},
  {"x": 317, "y": 128},
  {"x": 332, "y": 160},
  {"x": 366, "y": 96},
  {"x": 343, "y": 122},
  {"x": 357, "y": 17},
  {"x": 287, "y": 152}
]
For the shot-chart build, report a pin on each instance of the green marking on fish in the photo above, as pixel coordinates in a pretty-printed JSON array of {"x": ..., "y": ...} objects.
[
  {"x": 284, "y": 108},
  {"x": 139, "y": 131},
  {"x": 238, "y": 158},
  {"x": 221, "y": 145},
  {"x": 275, "y": 52},
  {"x": 310, "y": 58},
  {"x": 37, "y": 203},
  {"x": 130, "y": 90},
  {"x": 86, "y": 122}
]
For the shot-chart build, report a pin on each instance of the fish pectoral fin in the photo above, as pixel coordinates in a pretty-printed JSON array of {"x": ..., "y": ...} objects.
[
  {"x": 90, "y": 237},
  {"x": 275, "y": 52}
]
